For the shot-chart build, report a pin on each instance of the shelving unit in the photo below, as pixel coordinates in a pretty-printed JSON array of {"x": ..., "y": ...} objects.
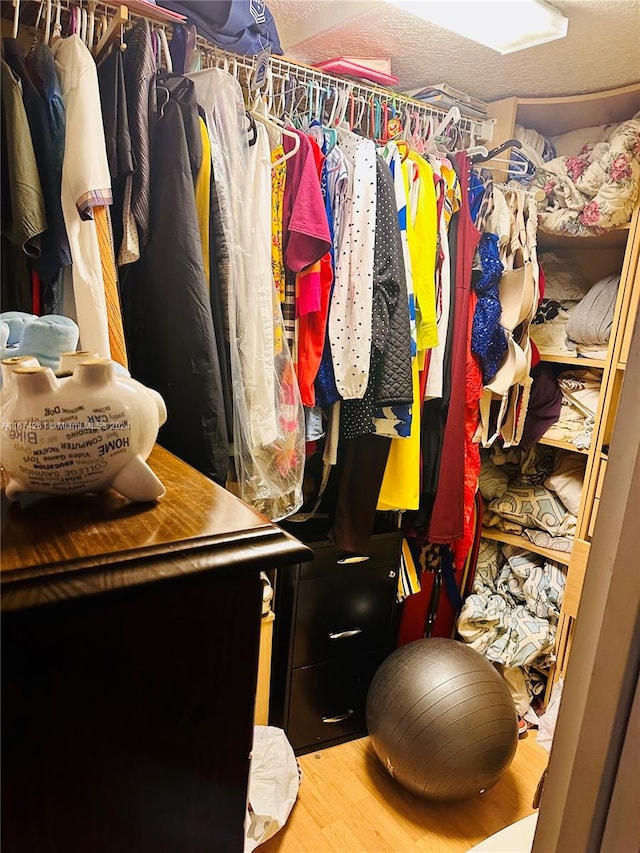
[
  {"x": 596, "y": 256},
  {"x": 571, "y": 360},
  {"x": 562, "y": 445},
  {"x": 521, "y": 542},
  {"x": 615, "y": 238}
]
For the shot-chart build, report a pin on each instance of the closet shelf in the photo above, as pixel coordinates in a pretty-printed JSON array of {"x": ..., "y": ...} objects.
[
  {"x": 568, "y": 358},
  {"x": 562, "y": 445},
  {"x": 520, "y": 542},
  {"x": 615, "y": 238}
]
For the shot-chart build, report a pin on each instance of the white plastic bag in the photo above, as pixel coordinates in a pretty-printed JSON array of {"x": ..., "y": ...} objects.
[
  {"x": 547, "y": 724},
  {"x": 273, "y": 785}
]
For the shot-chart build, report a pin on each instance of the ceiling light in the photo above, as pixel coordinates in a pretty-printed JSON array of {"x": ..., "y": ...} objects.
[{"x": 502, "y": 25}]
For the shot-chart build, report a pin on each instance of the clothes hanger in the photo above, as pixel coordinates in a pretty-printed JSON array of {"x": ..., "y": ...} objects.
[
  {"x": 57, "y": 26},
  {"x": 167, "y": 94},
  {"x": 474, "y": 150},
  {"x": 16, "y": 18},
  {"x": 453, "y": 116},
  {"x": 253, "y": 128},
  {"x": 256, "y": 114},
  {"x": 339, "y": 108},
  {"x": 164, "y": 44},
  {"x": 281, "y": 101},
  {"x": 83, "y": 25},
  {"x": 102, "y": 26},
  {"x": 298, "y": 102},
  {"x": 361, "y": 101},
  {"x": 91, "y": 23},
  {"x": 47, "y": 28},
  {"x": 493, "y": 153}
]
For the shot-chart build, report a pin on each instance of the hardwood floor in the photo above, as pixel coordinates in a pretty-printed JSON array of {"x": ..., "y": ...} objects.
[{"x": 349, "y": 804}]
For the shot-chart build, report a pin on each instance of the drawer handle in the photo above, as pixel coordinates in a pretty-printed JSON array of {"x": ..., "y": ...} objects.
[
  {"x": 340, "y": 718},
  {"x": 340, "y": 635},
  {"x": 354, "y": 558}
]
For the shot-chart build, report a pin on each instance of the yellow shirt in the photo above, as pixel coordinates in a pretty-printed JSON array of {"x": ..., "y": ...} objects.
[
  {"x": 401, "y": 482},
  {"x": 203, "y": 196},
  {"x": 422, "y": 235}
]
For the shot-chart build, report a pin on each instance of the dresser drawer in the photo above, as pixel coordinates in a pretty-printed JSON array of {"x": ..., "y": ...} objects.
[
  {"x": 328, "y": 701},
  {"x": 348, "y": 613},
  {"x": 328, "y": 559}
]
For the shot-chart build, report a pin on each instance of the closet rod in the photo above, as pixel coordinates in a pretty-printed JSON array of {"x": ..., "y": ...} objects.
[
  {"x": 136, "y": 9},
  {"x": 478, "y": 130}
]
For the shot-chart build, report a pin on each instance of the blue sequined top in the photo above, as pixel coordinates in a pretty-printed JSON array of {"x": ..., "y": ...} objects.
[{"x": 488, "y": 340}]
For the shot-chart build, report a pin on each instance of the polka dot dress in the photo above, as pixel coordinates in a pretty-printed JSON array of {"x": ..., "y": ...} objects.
[{"x": 350, "y": 318}]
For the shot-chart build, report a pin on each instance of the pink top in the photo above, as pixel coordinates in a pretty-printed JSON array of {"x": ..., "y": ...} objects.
[{"x": 305, "y": 230}]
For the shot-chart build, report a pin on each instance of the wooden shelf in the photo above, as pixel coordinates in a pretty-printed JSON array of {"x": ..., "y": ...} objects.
[
  {"x": 613, "y": 239},
  {"x": 520, "y": 542},
  {"x": 573, "y": 360},
  {"x": 562, "y": 445},
  {"x": 553, "y": 116}
]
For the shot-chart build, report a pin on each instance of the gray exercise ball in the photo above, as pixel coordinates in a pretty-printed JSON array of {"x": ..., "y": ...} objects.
[{"x": 441, "y": 719}]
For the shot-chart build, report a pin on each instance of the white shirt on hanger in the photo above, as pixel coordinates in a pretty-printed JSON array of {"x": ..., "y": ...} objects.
[{"x": 86, "y": 183}]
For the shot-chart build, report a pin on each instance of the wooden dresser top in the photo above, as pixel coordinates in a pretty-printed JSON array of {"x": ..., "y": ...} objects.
[{"x": 55, "y": 548}]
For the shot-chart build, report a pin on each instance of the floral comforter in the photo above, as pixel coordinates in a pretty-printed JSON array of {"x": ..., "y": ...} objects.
[{"x": 594, "y": 190}]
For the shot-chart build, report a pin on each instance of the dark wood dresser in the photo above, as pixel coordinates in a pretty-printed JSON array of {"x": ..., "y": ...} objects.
[{"x": 130, "y": 638}]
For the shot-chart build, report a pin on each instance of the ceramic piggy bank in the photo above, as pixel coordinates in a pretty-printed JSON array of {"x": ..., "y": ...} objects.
[{"x": 85, "y": 433}]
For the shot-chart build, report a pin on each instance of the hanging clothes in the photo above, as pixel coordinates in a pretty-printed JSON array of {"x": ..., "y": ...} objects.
[
  {"x": 447, "y": 518},
  {"x": 306, "y": 237},
  {"x": 365, "y": 454},
  {"x": 203, "y": 196},
  {"x": 54, "y": 245},
  {"x": 218, "y": 295},
  {"x": 338, "y": 182},
  {"x": 313, "y": 290},
  {"x": 396, "y": 422},
  {"x": 425, "y": 234},
  {"x": 139, "y": 74},
  {"x": 401, "y": 485},
  {"x": 269, "y": 474},
  {"x": 169, "y": 325},
  {"x": 86, "y": 183},
  {"x": 390, "y": 377},
  {"x": 351, "y": 301},
  {"x": 120, "y": 154},
  {"x": 452, "y": 199},
  {"x": 23, "y": 211},
  {"x": 278, "y": 183}
]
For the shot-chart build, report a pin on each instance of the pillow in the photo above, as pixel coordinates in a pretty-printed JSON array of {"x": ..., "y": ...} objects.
[
  {"x": 551, "y": 334},
  {"x": 493, "y": 481},
  {"x": 535, "y": 506},
  {"x": 536, "y": 465},
  {"x": 574, "y": 141},
  {"x": 490, "y": 519},
  {"x": 567, "y": 479},
  {"x": 563, "y": 281},
  {"x": 592, "y": 320}
]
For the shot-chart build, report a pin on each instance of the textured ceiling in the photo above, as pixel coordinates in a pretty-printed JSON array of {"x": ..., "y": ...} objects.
[{"x": 601, "y": 50}]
